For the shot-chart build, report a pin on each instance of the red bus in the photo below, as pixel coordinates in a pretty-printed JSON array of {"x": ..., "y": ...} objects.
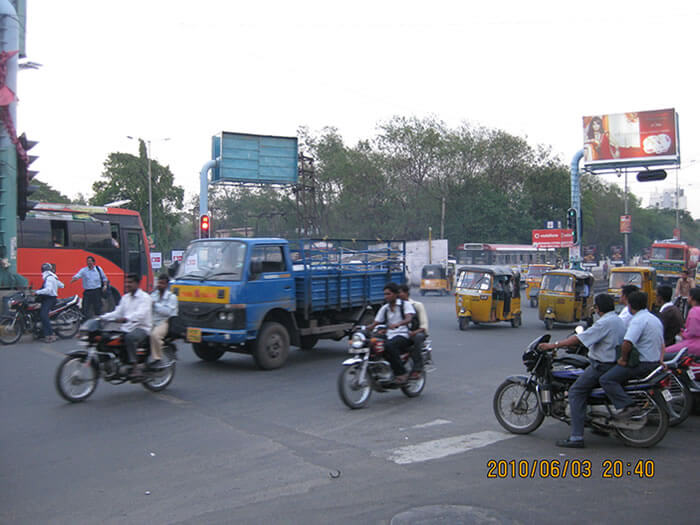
[{"x": 65, "y": 234}]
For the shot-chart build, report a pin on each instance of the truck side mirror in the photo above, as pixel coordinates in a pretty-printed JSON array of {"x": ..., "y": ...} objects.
[{"x": 256, "y": 268}]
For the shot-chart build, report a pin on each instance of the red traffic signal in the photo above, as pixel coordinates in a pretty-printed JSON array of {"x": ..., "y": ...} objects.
[{"x": 204, "y": 224}]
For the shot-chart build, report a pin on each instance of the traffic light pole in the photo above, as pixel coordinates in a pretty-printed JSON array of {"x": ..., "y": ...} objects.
[
  {"x": 575, "y": 250},
  {"x": 9, "y": 41}
]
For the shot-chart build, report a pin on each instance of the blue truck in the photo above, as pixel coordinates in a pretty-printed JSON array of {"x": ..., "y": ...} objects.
[{"x": 261, "y": 295}]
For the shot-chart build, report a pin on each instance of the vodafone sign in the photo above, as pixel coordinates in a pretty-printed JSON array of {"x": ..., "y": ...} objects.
[{"x": 552, "y": 238}]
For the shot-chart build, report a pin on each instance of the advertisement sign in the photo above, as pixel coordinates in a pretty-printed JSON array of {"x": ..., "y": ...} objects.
[
  {"x": 176, "y": 255},
  {"x": 616, "y": 254},
  {"x": 625, "y": 224},
  {"x": 556, "y": 238},
  {"x": 637, "y": 139},
  {"x": 590, "y": 254},
  {"x": 156, "y": 260}
]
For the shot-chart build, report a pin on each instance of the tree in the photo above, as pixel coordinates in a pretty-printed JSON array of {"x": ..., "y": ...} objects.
[
  {"x": 125, "y": 176},
  {"x": 45, "y": 193}
]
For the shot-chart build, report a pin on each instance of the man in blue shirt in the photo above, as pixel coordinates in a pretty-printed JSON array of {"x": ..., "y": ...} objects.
[
  {"x": 645, "y": 333},
  {"x": 94, "y": 283},
  {"x": 601, "y": 340}
]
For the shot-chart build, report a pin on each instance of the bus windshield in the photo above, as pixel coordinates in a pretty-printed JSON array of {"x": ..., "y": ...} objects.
[
  {"x": 620, "y": 279},
  {"x": 558, "y": 283},
  {"x": 474, "y": 280},
  {"x": 222, "y": 260}
]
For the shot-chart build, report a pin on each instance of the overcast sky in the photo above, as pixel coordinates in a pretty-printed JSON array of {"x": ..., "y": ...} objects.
[{"x": 188, "y": 70}]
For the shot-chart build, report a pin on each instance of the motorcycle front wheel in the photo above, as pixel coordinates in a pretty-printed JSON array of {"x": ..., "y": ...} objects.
[
  {"x": 76, "y": 379},
  {"x": 516, "y": 408},
  {"x": 654, "y": 409},
  {"x": 67, "y": 324},
  {"x": 353, "y": 394},
  {"x": 681, "y": 405},
  {"x": 10, "y": 330}
]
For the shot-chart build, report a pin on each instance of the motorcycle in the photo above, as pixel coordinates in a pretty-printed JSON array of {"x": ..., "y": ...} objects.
[
  {"x": 25, "y": 317},
  {"x": 522, "y": 402},
  {"x": 105, "y": 355},
  {"x": 369, "y": 371}
]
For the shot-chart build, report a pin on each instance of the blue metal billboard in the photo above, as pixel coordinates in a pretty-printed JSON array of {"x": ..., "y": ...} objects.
[{"x": 255, "y": 158}]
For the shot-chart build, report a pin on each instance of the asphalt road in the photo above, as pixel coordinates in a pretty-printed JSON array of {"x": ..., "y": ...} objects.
[{"x": 227, "y": 443}]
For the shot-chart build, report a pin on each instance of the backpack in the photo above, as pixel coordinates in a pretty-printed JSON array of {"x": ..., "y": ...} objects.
[{"x": 413, "y": 325}]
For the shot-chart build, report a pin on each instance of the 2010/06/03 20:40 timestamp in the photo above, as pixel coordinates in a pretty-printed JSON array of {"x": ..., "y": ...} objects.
[{"x": 569, "y": 468}]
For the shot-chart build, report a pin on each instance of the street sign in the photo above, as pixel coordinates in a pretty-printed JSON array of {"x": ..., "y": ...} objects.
[
  {"x": 556, "y": 238},
  {"x": 176, "y": 255}
]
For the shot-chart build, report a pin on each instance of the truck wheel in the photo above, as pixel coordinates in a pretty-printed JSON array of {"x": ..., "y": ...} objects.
[
  {"x": 307, "y": 342},
  {"x": 207, "y": 352},
  {"x": 271, "y": 346}
]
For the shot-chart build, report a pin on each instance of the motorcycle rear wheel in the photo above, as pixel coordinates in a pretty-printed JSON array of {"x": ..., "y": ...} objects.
[
  {"x": 353, "y": 395},
  {"x": 656, "y": 425},
  {"x": 680, "y": 407},
  {"x": 158, "y": 380},
  {"x": 516, "y": 408},
  {"x": 414, "y": 387},
  {"x": 67, "y": 324},
  {"x": 76, "y": 380},
  {"x": 10, "y": 330}
]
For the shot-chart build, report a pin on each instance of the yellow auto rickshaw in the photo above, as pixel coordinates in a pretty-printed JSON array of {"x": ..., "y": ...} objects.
[
  {"x": 434, "y": 279},
  {"x": 487, "y": 294},
  {"x": 566, "y": 296},
  {"x": 533, "y": 278},
  {"x": 644, "y": 277}
]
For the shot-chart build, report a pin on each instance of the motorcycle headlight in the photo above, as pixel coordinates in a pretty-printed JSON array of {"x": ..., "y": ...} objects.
[{"x": 358, "y": 340}]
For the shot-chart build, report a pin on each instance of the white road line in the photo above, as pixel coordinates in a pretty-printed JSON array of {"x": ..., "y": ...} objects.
[
  {"x": 433, "y": 423},
  {"x": 440, "y": 448}
]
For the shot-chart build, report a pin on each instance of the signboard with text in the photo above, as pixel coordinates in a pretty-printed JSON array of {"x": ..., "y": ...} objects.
[
  {"x": 176, "y": 255},
  {"x": 625, "y": 224},
  {"x": 156, "y": 260},
  {"x": 638, "y": 139},
  {"x": 556, "y": 238}
]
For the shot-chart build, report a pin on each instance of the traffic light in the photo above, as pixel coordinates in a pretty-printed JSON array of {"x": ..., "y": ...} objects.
[
  {"x": 571, "y": 223},
  {"x": 25, "y": 176},
  {"x": 204, "y": 224},
  {"x": 649, "y": 175}
]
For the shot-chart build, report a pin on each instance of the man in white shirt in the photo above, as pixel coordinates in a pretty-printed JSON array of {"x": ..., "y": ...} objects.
[
  {"x": 47, "y": 296},
  {"x": 134, "y": 311},
  {"x": 164, "y": 307},
  {"x": 397, "y": 315},
  {"x": 625, "y": 313}
]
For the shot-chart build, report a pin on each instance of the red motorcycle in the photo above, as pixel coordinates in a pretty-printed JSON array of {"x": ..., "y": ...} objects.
[{"x": 24, "y": 317}]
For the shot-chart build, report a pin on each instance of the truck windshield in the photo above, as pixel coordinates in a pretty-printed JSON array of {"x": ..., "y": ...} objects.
[{"x": 213, "y": 259}]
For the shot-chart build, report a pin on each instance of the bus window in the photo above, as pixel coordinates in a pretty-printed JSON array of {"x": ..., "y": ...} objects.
[
  {"x": 134, "y": 248},
  {"x": 34, "y": 233},
  {"x": 76, "y": 234},
  {"x": 97, "y": 235},
  {"x": 115, "y": 235},
  {"x": 59, "y": 234}
]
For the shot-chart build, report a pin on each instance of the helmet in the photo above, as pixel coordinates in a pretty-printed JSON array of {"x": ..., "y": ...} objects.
[{"x": 46, "y": 267}]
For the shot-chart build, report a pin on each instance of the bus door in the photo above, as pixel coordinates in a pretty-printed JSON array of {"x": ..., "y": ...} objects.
[{"x": 135, "y": 260}]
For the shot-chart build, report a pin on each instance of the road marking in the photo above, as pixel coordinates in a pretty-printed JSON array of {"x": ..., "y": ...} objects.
[
  {"x": 169, "y": 398},
  {"x": 440, "y": 448},
  {"x": 433, "y": 423}
]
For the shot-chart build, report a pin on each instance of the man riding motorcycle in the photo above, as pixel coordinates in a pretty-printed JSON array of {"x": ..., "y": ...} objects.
[{"x": 134, "y": 311}]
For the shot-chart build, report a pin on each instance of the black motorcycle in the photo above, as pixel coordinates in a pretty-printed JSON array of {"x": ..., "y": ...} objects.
[
  {"x": 24, "y": 317},
  {"x": 368, "y": 369},
  {"x": 521, "y": 402},
  {"x": 105, "y": 355}
]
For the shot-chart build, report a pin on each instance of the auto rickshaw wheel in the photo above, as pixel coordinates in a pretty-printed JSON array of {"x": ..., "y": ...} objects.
[
  {"x": 548, "y": 324},
  {"x": 463, "y": 323},
  {"x": 533, "y": 302},
  {"x": 516, "y": 321}
]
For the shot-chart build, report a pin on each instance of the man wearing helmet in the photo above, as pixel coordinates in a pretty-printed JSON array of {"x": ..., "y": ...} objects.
[{"x": 47, "y": 296}]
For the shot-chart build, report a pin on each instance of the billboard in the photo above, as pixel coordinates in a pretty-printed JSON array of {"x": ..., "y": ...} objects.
[
  {"x": 258, "y": 159},
  {"x": 625, "y": 224},
  {"x": 556, "y": 238},
  {"x": 643, "y": 138}
]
